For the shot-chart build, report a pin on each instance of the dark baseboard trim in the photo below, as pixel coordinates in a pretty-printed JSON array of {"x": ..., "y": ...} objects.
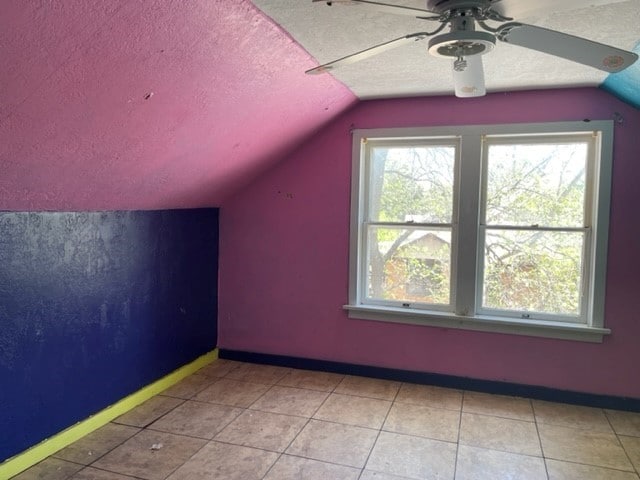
[{"x": 449, "y": 381}]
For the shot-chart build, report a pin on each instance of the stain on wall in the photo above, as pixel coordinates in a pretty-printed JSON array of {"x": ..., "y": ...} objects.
[{"x": 96, "y": 305}]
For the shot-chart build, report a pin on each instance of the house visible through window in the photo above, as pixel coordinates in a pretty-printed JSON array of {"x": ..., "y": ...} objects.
[{"x": 484, "y": 227}]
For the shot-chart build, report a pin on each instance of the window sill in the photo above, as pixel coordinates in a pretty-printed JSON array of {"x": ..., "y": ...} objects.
[{"x": 534, "y": 328}]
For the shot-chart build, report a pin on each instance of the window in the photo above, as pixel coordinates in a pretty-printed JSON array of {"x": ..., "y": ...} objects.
[{"x": 500, "y": 228}]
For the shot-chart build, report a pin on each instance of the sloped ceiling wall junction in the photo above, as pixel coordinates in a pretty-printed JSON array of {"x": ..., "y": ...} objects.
[{"x": 148, "y": 105}]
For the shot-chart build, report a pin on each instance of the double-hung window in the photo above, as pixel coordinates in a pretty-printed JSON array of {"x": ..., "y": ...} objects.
[{"x": 493, "y": 227}]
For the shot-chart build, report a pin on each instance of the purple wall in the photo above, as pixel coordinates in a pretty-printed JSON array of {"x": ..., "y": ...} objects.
[{"x": 284, "y": 258}]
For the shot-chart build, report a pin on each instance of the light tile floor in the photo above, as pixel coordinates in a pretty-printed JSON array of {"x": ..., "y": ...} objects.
[{"x": 233, "y": 420}]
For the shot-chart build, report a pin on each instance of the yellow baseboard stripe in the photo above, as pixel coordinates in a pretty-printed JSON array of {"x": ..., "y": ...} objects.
[{"x": 39, "y": 452}]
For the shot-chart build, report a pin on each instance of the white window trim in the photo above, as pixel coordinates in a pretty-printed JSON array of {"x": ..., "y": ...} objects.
[{"x": 592, "y": 331}]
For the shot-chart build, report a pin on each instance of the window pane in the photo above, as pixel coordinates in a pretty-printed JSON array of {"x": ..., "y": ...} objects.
[
  {"x": 411, "y": 265},
  {"x": 538, "y": 271},
  {"x": 411, "y": 184},
  {"x": 537, "y": 184}
]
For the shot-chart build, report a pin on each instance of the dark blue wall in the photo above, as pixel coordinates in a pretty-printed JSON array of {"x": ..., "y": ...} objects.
[{"x": 96, "y": 305}]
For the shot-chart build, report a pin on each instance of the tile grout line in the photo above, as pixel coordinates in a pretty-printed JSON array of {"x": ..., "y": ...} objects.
[
  {"x": 248, "y": 408},
  {"x": 455, "y": 462},
  {"x": 636, "y": 469},
  {"x": 199, "y": 449},
  {"x": 393, "y": 401},
  {"x": 300, "y": 431},
  {"x": 535, "y": 421}
]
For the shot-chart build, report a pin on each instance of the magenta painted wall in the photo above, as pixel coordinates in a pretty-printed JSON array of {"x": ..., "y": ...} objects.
[
  {"x": 148, "y": 105},
  {"x": 284, "y": 258}
]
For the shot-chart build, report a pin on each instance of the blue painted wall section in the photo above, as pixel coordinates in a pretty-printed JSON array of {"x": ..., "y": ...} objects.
[
  {"x": 626, "y": 84},
  {"x": 96, "y": 305}
]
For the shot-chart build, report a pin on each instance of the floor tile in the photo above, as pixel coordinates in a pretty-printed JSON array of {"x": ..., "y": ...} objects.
[
  {"x": 251, "y": 372},
  {"x": 368, "y": 387},
  {"x": 631, "y": 445},
  {"x": 436, "y": 423},
  {"x": 295, "y": 468},
  {"x": 219, "y": 368},
  {"x": 189, "y": 386},
  {"x": 430, "y": 396},
  {"x": 149, "y": 411},
  {"x": 625, "y": 423},
  {"x": 290, "y": 401},
  {"x": 234, "y": 420},
  {"x": 573, "y": 471},
  {"x": 412, "y": 457},
  {"x": 322, "y": 381},
  {"x": 136, "y": 457},
  {"x": 232, "y": 392},
  {"x": 515, "y": 408},
  {"x": 515, "y": 436},
  {"x": 50, "y": 469},
  {"x": 583, "y": 446},
  {"x": 358, "y": 411},
  {"x": 335, "y": 443},
  {"x": 573, "y": 416},
  {"x": 91, "y": 473},
  {"x": 270, "y": 431},
  {"x": 94, "y": 445},
  {"x": 480, "y": 464},
  {"x": 197, "y": 419},
  {"x": 221, "y": 461}
]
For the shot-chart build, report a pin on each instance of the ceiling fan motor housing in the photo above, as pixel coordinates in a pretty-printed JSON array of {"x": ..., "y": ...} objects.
[
  {"x": 443, "y": 6},
  {"x": 463, "y": 40}
]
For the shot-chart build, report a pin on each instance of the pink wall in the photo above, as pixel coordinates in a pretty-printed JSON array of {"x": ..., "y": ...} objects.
[
  {"x": 230, "y": 97},
  {"x": 284, "y": 258}
]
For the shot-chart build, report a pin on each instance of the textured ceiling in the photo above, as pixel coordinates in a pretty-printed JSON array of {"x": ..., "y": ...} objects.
[
  {"x": 329, "y": 33},
  {"x": 146, "y": 105}
]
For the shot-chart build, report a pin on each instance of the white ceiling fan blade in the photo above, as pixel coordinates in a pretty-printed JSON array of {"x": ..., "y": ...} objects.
[
  {"x": 521, "y": 9},
  {"x": 386, "y": 8},
  {"x": 470, "y": 81},
  {"x": 576, "y": 49},
  {"x": 369, "y": 52}
]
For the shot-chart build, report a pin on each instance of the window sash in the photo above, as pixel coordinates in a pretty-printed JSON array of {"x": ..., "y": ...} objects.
[
  {"x": 365, "y": 222},
  {"x": 404, "y": 303},
  {"x": 585, "y": 277}
]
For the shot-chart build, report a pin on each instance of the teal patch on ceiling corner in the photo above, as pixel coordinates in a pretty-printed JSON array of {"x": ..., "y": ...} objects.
[{"x": 626, "y": 84}]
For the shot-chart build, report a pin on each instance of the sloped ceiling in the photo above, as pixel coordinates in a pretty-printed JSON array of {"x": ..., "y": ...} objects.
[
  {"x": 174, "y": 104},
  {"x": 148, "y": 105}
]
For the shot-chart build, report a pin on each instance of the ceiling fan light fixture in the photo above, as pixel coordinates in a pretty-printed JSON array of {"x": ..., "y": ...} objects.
[
  {"x": 461, "y": 44},
  {"x": 468, "y": 77}
]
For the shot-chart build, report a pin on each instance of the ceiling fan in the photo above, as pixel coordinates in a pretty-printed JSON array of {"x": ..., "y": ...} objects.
[{"x": 466, "y": 45}]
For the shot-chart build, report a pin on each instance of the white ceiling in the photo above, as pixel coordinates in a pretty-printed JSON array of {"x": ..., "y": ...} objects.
[{"x": 329, "y": 33}]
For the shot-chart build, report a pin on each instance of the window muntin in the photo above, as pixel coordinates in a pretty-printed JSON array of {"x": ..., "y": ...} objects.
[{"x": 473, "y": 302}]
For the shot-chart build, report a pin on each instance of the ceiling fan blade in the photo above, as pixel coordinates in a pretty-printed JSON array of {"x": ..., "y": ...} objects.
[
  {"x": 576, "y": 49},
  {"x": 521, "y": 9},
  {"x": 386, "y": 8},
  {"x": 469, "y": 82},
  {"x": 369, "y": 52}
]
